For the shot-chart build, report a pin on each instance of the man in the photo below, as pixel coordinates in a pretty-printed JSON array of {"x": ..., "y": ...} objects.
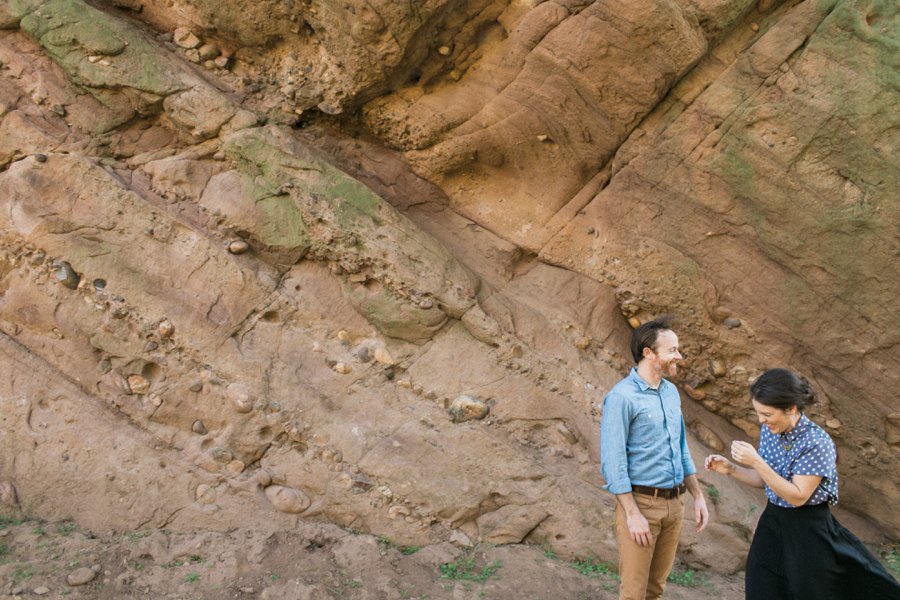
[{"x": 646, "y": 463}]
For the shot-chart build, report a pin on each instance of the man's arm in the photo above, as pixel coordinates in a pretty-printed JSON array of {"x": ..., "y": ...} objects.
[
  {"x": 637, "y": 523},
  {"x": 701, "y": 512},
  {"x": 614, "y": 464}
]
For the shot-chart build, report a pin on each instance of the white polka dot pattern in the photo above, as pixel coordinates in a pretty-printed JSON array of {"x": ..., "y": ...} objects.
[{"x": 805, "y": 450}]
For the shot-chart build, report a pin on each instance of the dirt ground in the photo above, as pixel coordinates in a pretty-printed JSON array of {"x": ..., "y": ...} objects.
[{"x": 311, "y": 562}]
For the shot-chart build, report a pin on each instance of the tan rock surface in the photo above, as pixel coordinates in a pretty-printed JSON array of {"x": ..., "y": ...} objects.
[{"x": 224, "y": 312}]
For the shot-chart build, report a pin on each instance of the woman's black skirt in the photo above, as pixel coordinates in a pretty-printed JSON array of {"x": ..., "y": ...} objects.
[{"x": 805, "y": 554}]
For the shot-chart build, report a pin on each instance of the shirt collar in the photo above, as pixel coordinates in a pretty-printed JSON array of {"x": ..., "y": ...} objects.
[
  {"x": 799, "y": 429},
  {"x": 643, "y": 384}
]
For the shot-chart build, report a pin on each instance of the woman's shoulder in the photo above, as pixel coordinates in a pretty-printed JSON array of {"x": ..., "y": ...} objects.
[{"x": 817, "y": 436}]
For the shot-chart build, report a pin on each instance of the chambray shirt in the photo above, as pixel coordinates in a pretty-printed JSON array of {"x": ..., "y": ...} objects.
[
  {"x": 804, "y": 450},
  {"x": 642, "y": 436}
]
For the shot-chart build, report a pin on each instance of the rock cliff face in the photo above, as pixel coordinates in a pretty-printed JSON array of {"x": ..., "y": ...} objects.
[{"x": 376, "y": 263}]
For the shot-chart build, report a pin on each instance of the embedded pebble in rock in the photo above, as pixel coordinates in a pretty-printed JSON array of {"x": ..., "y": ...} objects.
[
  {"x": 155, "y": 400},
  {"x": 717, "y": 367},
  {"x": 732, "y": 323},
  {"x": 205, "y": 494},
  {"x": 138, "y": 384},
  {"x": 238, "y": 247},
  {"x": 695, "y": 394},
  {"x": 467, "y": 408},
  {"x": 342, "y": 368},
  {"x": 80, "y": 576},
  {"x": 444, "y": 50},
  {"x": 8, "y": 496},
  {"x": 263, "y": 478},
  {"x": 236, "y": 467},
  {"x": 67, "y": 276},
  {"x": 426, "y": 303},
  {"x": 383, "y": 356},
  {"x": 634, "y": 322},
  {"x": 833, "y": 423},
  {"x": 221, "y": 455},
  {"x": 185, "y": 38},
  {"x": 196, "y": 386},
  {"x": 199, "y": 427},
  {"x": 221, "y": 62},
  {"x": 287, "y": 500},
  {"x": 40, "y": 591},
  {"x": 239, "y": 396},
  {"x": 362, "y": 353},
  {"x": 398, "y": 510},
  {"x": 41, "y": 158},
  {"x": 208, "y": 51},
  {"x": 583, "y": 343},
  {"x": 99, "y": 284},
  {"x": 166, "y": 329},
  {"x": 343, "y": 336}
]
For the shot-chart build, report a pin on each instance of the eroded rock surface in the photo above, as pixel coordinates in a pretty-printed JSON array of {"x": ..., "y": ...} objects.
[{"x": 223, "y": 307}]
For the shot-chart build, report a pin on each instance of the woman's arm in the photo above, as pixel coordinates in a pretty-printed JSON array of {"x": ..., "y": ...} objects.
[
  {"x": 795, "y": 491},
  {"x": 720, "y": 464}
]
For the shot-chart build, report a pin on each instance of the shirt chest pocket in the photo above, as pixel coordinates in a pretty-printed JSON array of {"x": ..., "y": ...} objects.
[{"x": 647, "y": 423}]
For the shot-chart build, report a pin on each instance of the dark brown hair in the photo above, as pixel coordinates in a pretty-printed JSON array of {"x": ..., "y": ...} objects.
[
  {"x": 782, "y": 389},
  {"x": 645, "y": 336}
]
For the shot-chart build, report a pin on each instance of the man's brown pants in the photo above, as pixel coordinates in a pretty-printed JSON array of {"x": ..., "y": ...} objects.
[{"x": 643, "y": 569}]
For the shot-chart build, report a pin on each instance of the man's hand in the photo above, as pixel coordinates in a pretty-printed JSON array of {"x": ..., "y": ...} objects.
[
  {"x": 701, "y": 513},
  {"x": 639, "y": 529}
]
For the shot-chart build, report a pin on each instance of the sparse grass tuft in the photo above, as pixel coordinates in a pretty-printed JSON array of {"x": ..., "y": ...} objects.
[
  {"x": 688, "y": 578},
  {"x": 22, "y": 572},
  {"x": 714, "y": 495},
  {"x": 592, "y": 567},
  {"x": 464, "y": 568},
  {"x": 65, "y": 528},
  {"x": 191, "y": 578}
]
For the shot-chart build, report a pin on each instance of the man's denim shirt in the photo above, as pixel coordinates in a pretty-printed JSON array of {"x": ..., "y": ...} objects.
[{"x": 642, "y": 436}]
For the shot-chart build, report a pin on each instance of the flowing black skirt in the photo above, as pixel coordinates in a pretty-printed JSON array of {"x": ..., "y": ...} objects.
[{"x": 805, "y": 554}]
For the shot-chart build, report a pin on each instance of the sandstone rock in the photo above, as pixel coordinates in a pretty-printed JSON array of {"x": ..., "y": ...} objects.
[
  {"x": 80, "y": 576},
  {"x": 287, "y": 500},
  {"x": 165, "y": 329},
  {"x": 510, "y": 524},
  {"x": 9, "y": 499},
  {"x": 707, "y": 436},
  {"x": 383, "y": 356},
  {"x": 199, "y": 428},
  {"x": 66, "y": 275},
  {"x": 208, "y": 51},
  {"x": 185, "y": 38},
  {"x": 138, "y": 384},
  {"x": 892, "y": 429},
  {"x": 717, "y": 367},
  {"x": 482, "y": 326},
  {"x": 467, "y": 408},
  {"x": 342, "y": 368},
  {"x": 238, "y": 247},
  {"x": 41, "y": 590},
  {"x": 239, "y": 396},
  {"x": 731, "y": 323},
  {"x": 205, "y": 494}
]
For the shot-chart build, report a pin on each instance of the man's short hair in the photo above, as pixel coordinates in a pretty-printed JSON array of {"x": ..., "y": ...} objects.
[{"x": 645, "y": 336}]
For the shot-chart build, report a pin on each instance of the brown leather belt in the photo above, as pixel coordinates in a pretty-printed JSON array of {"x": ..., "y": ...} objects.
[{"x": 667, "y": 493}]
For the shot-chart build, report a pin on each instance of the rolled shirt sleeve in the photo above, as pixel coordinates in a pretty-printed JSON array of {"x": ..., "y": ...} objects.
[
  {"x": 613, "y": 438},
  {"x": 687, "y": 463}
]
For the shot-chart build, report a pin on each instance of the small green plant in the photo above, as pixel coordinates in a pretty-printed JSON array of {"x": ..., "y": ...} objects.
[
  {"x": 688, "y": 578},
  {"x": 39, "y": 530},
  {"x": 4, "y": 549},
  {"x": 134, "y": 536},
  {"x": 6, "y": 521},
  {"x": 591, "y": 567},
  {"x": 274, "y": 576},
  {"x": 137, "y": 565},
  {"x": 65, "y": 528},
  {"x": 195, "y": 559},
  {"x": 714, "y": 495},
  {"x": 192, "y": 578},
  {"x": 464, "y": 568},
  {"x": 172, "y": 564},
  {"x": 407, "y": 550},
  {"x": 22, "y": 572},
  {"x": 548, "y": 551}
]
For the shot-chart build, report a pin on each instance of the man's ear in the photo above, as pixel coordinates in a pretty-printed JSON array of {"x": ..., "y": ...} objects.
[{"x": 648, "y": 352}]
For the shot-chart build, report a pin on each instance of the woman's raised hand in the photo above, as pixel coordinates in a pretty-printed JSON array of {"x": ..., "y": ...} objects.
[{"x": 719, "y": 464}]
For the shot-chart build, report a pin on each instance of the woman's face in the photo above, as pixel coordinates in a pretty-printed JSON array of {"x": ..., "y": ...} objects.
[{"x": 776, "y": 419}]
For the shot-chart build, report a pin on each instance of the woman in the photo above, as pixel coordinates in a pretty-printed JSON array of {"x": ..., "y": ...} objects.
[{"x": 799, "y": 550}]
